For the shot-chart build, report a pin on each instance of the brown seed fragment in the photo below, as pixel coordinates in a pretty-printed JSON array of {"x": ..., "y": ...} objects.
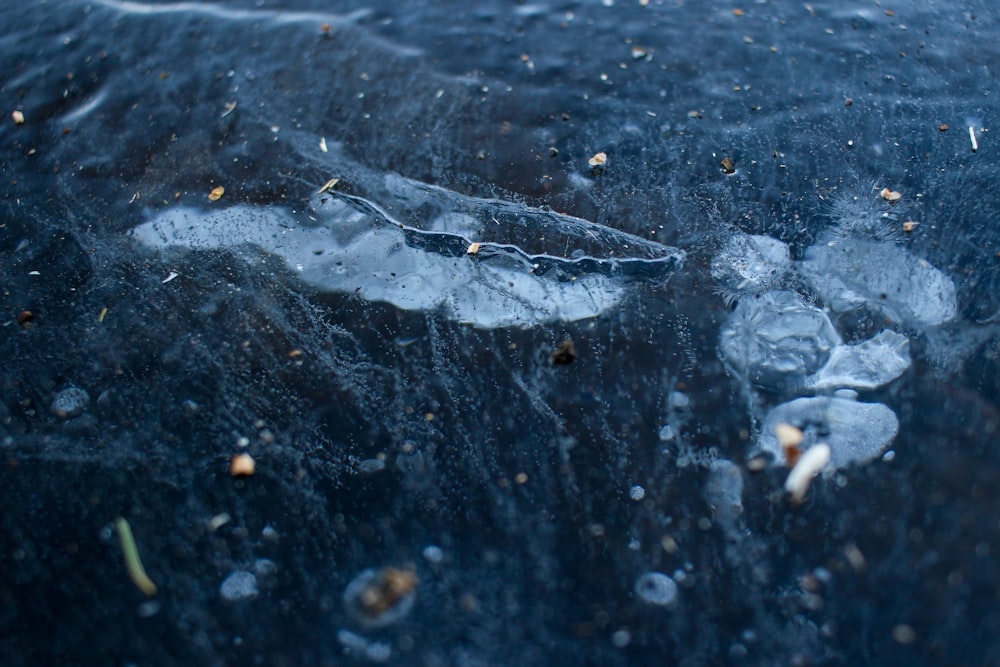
[
  {"x": 943, "y": 127},
  {"x": 890, "y": 196},
  {"x": 329, "y": 186},
  {"x": 473, "y": 248},
  {"x": 216, "y": 193},
  {"x": 790, "y": 438},
  {"x": 909, "y": 226},
  {"x": 564, "y": 353},
  {"x": 25, "y": 318},
  {"x": 242, "y": 465},
  {"x": 727, "y": 166},
  {"x": 599, "y": 160}
]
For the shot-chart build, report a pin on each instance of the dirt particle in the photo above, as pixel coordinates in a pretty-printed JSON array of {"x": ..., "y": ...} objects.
[
  {"x": 564, "y": 354},
  {"x": 242, "y": 465},
  {"x": 599, "y": 160},
  {"x": 890, "y": 196}
]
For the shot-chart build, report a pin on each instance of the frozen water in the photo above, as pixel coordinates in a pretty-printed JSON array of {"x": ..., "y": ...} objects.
[
  {"x": 855, "y": 432},
  {"x": 782, "y": 343},
  {"x": 351, "y": 245},
  {"x": 454, "y": 123},
  {"x": 750, "y": 264},
  {"x": 850, "y": 273},
  {"x": 776, "y": 339},
  {"x": 865, "y": 365}
]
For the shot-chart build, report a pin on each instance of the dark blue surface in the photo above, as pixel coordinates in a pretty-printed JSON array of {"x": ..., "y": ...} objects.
[{"x": 131, "y": 110}]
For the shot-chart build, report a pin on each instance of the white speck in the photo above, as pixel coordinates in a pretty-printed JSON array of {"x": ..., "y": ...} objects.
[
  {"x": 621, "y": 638},
  {"x": 218, "y": 521},
  {"x": 170, "y": 276},
  {"x": 322, "y": 144},
  {"x": 240, "y": 585},
  {"x": 972, "y": 137},
  {"x": 433, "y": 554},
  {"x": 679, "y": 400},
  {"x": 667, "y": 433}
]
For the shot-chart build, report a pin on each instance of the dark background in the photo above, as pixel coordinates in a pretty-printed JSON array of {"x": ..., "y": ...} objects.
[{"x": 128, "y": 112}]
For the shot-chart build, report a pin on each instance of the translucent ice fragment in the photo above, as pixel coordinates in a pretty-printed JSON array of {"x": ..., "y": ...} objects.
[
  {"x": 750, "y": 264},
  {"x": 850, "y": 272},
  {"x": 855, "y": 432},
  {"x": 777, "y": 340},
  {"x": 70, "y": 402},
  {"x": 724, "y": 492},
  {"x": 866, "y": 365},
  {"x": 782, "y": 343},
  {"x": 530, "y": 266}
]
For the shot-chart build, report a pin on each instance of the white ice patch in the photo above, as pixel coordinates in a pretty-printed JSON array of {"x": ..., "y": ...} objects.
[
  {"x": 781, "y": 343},
  {"x": 351, "y": 245},
  {"x": 865, "y": 365},
  {"x": 750, "y": 264},
  {"x": 855, "y": 432},
  {"x": 776, "y": 339},
  {"x": 850, "y": 273}
]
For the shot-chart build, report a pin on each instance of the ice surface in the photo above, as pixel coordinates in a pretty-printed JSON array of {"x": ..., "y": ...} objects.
[
  {"x": 782, "y": 343},
  {"x": 850, "y": 272},
  {"x": 750, "y": 264},
  {"x": 855, "y": 432},
  {"x": 776, "y": 339},
  {"x": 452, "y": 123},
  {"x": 865, "y": 365},
  {"x": 351, "y": 245}
]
